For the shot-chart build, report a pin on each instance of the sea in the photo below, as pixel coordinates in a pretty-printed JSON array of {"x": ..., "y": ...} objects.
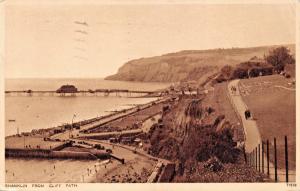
[{"x": 24, "y": 113}]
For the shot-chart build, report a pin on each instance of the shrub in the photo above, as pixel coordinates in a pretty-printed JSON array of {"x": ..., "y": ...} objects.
[
  {"x": 287, "y": 75},
  {"x": 221, "y": 145},
  {"x": 267, "y": 71},
  {"x": 219, "y": 79},
  {"x": 203, "y": 154},
  {"x": 240, "y": 73},
  {"x": 227, "y": 71},
  {"x": 193, "y": 109},
  {"x": 254, "y": 72}
]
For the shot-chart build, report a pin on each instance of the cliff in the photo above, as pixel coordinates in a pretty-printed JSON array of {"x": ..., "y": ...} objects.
[
  {"x": 199, "y": 140},
  {"x": 186, "y": 65}
]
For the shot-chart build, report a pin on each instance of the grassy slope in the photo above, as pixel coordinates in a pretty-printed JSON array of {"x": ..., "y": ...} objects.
[
  {"x": 275, "y": 111},
  {"x": 219, "y": 100}
]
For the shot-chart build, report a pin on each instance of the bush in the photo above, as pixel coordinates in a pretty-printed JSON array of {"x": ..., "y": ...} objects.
[
  {"x": 213, "y": 164},
  {"x": 287, "y": 75},
  {"x": 203, "y": 154},
  {"x": 225, "y": 74},
  {"x": 267, "y": 71},
  {"x": 220, "y": 145},
  {"x": 194, "y": 109},
  {"x": 254, "y": 72},
  {"x": 220, "y": 79},
  {"x": 240, "y": 73},
  {"x": 243, "y": 70},
  {"x": 227, "y": 71}
]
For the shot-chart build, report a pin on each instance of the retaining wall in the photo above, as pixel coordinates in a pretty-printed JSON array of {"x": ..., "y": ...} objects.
[{"x": 39, "y": 153}]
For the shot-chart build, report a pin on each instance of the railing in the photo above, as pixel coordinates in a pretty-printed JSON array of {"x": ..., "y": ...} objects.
[{"x": 260, "y": 159}]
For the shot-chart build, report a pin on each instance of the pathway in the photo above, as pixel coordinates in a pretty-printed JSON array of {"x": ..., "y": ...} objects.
[
  {"x": 252, "y": 136},
  {"x": 250, "y": 127},
  {"x": 291, "y": 89}
]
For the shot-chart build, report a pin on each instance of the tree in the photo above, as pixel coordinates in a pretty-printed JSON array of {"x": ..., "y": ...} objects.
[{"x": 279, "y": 57}]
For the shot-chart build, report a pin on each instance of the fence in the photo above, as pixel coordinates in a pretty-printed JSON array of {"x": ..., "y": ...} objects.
[{"x": 260, "y": 159}]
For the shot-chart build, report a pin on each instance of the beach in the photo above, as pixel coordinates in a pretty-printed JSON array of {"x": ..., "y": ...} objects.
[{"x": 24, "y": 113}]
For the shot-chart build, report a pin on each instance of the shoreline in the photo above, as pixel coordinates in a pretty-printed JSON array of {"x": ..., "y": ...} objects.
[
  {"x": 42, "y": 131},
  {"x": 111, "y": 169}
]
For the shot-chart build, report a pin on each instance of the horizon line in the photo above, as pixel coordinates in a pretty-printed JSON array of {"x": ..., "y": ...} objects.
[{"x": 142, "y": 57}]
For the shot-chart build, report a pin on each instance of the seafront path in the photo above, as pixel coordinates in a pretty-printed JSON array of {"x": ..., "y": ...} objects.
[
  {"x": 252, "y": 135},
  {"x": 250, "y": 127},
  {"x": 75, "y": 132}
]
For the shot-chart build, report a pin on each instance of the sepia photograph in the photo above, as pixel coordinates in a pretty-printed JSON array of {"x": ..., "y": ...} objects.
[{"x": 149, "y": 92}]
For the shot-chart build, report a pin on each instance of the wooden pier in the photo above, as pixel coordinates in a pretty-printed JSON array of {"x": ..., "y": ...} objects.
[{"x": 98, "y": 92}]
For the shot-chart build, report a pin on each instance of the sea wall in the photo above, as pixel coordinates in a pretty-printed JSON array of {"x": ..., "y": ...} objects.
[
  {"x": 167, "y": 173},
  {"x": 72, "y": 155},
  {"x": 32, "y": 153},
  {"x": 39, "y": 153}
]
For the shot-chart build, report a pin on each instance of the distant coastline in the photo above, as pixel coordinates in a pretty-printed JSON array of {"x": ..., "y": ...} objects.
[{"x": 188, "y": 65}]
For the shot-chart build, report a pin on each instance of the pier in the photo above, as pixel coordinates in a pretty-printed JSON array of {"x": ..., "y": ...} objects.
[{"x": 98, "y": 92}]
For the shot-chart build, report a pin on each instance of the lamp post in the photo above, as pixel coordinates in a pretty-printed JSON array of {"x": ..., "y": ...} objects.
[{"x": 74, "y": 115}]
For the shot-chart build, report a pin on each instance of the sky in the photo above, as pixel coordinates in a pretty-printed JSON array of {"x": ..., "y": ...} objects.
[{"x": 43, "y": 40}]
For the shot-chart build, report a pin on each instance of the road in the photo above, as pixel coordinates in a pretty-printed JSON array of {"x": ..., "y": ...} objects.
[
  {"x": 252, "y": 135},
  {"x": 118, "y": 150}
]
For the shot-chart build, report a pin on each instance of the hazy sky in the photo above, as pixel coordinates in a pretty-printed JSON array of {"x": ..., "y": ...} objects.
[{"x": 41, "y": 40}]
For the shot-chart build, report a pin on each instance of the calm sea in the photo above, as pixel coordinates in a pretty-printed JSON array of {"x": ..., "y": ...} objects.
[
  {"x": 45, "y": 111},
  {"x": 26, "y": 113}
]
